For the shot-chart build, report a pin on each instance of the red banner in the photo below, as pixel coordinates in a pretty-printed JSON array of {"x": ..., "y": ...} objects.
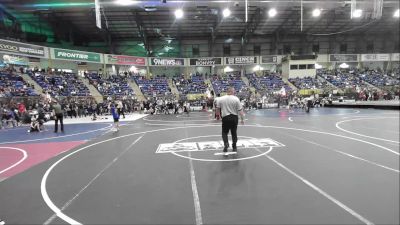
[{"x": 126, "y": 60}]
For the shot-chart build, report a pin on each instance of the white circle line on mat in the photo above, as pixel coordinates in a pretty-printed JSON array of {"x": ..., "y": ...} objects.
[
  {"x": 68, "y": 219},
  {"x": 363, "y": 135},
  {"x": 24, "y": 157}
]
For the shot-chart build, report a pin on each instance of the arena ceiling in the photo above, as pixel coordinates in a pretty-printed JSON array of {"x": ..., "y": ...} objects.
[{"x": 203, "y": 19}]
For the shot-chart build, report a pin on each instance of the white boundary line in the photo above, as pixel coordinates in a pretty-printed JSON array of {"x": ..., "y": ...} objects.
[
  {"x": 49, "y": 138},
  {"x": 362, "y": 135},
  {"x": 43, "y": 188},
  {"x": 194, "y": 116},
  {"x": 195, "y": 192},
  {"x": 69, "y": 202},
  {"x": 176, "y": 121},
  {"x": 344, "y": 153},
  {"x": 196, "y": 199},
  {"x": 200, "y": 124},
  {"x": 64, "y": 217},
  {"x": 295, "y": 114},
  {"x": 25, "y": 155},
  {"x": 319, "y": 190}
]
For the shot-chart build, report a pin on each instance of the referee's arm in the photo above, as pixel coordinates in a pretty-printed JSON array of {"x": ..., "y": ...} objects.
[
  {"x": 240, "y": 111},
  {"x": 218, "y": 109}
]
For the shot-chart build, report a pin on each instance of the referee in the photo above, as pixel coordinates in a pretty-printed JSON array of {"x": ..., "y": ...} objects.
[{"x": 230, "y": 108}]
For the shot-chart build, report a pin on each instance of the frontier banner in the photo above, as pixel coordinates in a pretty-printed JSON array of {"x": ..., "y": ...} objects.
[
  {"x": 241, "y": 60},
  {"x": 72, "y": 55},
  {"x": 343, "y": 58},
  {"x": 167, "y": 62},
  {"x": 205, "y": 61},
  {"x": 375, "y": 57},
  {"x": 23, "y": 49},
  {"x": 125, "y": 60}
]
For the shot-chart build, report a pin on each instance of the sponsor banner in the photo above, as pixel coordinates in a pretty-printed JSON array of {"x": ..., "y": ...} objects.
[
  {"x": 125, "y": 60},
  {"x": 23, "y": 49},
  {"x": 395, "y": 57},
  {"x": 205, "y": 61},
  {"x": 269, "y": 59},
  {"x": 15, "y": 60},
  {"x": 167, "y": 62},
  {"x": 343, "y": 58},
  {"x": 241, "y": 60},
  {"x": 72, "y": 55},
  {"x": 375, "y": 57}
]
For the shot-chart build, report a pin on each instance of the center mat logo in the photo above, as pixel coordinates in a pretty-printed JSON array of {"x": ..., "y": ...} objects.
[{"x": 215, "y": 145}]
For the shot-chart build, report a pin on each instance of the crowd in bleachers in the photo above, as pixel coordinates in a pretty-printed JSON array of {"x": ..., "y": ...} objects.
[
  {"x": 221, "y": 83},
  {"x": 379, "y": 79},
  {"x": 194, "y": 85},
  {"x": 267, "y": 83},
  {"x": 342, "y": 79},
  {"x": 114, "y": 85},
  {"x": 12, "y": 84},
  {"x": 308, "y": 83},
  {"x": 60, "y": 83},
  {"x": 68, "y": 87},
  {"x": 157, "y": 86}
]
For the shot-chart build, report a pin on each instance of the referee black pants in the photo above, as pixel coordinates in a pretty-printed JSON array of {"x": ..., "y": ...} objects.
[
  {"x": 59, "y": 117},
  {"x": 229, "y": 122}
]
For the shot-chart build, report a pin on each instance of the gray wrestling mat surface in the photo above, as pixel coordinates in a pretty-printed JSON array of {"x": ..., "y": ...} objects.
[{"x": 331, "y": 166}]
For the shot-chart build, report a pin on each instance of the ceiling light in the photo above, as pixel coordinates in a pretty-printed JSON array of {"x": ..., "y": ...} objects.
[
  {"x": 228, "y": 69},
  {"x": 396, "y": 13},
  {"x": 178, "y": 13},
  {"x": 316, "y": 12},
  {"x": 226, "y": 12},
  {"x": 257, "y": 68},
  {"x": 318, "y": 66},
  {"x": 272, "y": 12},
  {"x": 344, "y": 66},
  {"x": 125, "y": 2},
  {"x": 229, "y": 40},
  {"x": 357, "y": 13}
]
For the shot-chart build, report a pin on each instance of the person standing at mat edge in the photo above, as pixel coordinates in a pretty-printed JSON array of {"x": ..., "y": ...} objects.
[
  {"x": 230, "y": 109},
  {"x": 115, "y": 115},
  {"x": 58, "y": 116}
]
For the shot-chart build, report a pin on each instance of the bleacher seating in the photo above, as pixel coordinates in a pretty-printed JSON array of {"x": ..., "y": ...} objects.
[
  {"x": 65, "y": 84},
  {"x": 221, "y": 83},
  {"x": 193, "y": 85},
  {"x": 308, "y": 83},
  {"x": 114, "y": 85},
  {"x": 341, "y": 79},
  {"x": 13, "y": 85},
  {"x": 379, "y": 79},
  {"x": 149, "y": 87},
  {"x": 270, "y": 82}
]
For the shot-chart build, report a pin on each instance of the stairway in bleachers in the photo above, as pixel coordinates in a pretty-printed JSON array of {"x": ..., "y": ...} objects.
[
  {"x": 373, "y": 86},
  {"x": 247, "y": 82},
  {"x": 93, "y": 90},
  {"x": 174, "y": 90},
  {"x": 290, "y": 84},
  {"x": 28, "y": 79},
  {"x": 330, "y": 84},
  {"x": 136, "y": 89},
  {"x": 209, "y": 84}
]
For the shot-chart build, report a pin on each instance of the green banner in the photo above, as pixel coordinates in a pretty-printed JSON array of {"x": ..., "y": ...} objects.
[{"x": 77, "y": 55}]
